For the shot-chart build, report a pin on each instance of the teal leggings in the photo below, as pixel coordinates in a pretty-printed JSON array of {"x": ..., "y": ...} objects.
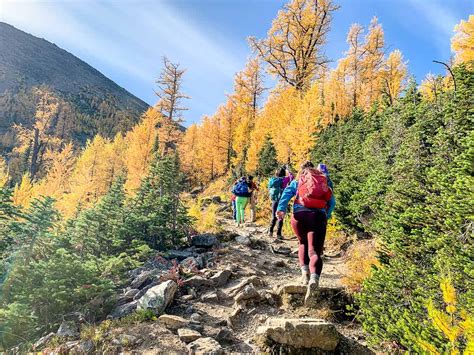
[{"x": 240, "y": 204}]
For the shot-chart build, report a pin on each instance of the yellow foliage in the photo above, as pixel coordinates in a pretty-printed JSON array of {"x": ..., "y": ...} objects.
[
  {"x": 205, "y": 219},
  {"x": 453, "y": 324},
  {"x": 23, "y": 192},
  {"x": 139, "y": 147},
  {"x": 462, "y": 42},
  {"x": 360, "y": 258}
]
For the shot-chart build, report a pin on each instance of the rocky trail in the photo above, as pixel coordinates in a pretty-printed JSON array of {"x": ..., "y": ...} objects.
[{"x": 241, "y": 294}]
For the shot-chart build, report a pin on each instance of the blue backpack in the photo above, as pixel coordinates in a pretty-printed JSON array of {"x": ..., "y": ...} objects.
[
  {"x": 241, "y": 189},
  {"x": 275, "y": 188}
]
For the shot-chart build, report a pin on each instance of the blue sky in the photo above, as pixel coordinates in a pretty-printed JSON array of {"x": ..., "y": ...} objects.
[{"x": 125, "y": 39}]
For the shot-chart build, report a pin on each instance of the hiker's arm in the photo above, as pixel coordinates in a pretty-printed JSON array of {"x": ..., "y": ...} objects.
[
  {"x": 331, "y": 205},
  {"x": 287, "y": 195}
]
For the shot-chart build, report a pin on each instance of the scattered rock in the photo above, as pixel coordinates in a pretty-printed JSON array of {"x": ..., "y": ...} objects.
[
  {"x": 179, "y": 254},
  {"x": 158, "y": 297},
  {"x": 282, "y": 250},
  {"x": 254, "y": 280},
  {"x": 249, "y": 292},
  {"x": 210, "y": 297},
  {"x": 187, "y": 297},
  {"x": 225, "y": 335},
  {"x": 144, "y": 290},
  {"x": 127, "y": 296},
  {"x": 68, "y": 329},
  {"x": 193, "y": 263},
  {"x": 204, "y": 240},
  {"x": 308, "y": 333},
  {"x": 196, "y": 318},
  {"x": 125, "y": 340},
  {"x": 243, "y": 239},
  {"x": 84, "y": 347},
  {"x": 197, "y": 281},
  {"x": 292, "y": 289},
  {"x": 142, "y": 280},
  {"x": 205, "y": 346},
  {"x": 279, "y": 263},
  {"x": 234, "y": 316},
  {"x": 173, "y": 322},
  {"x": 220, "y": 279},
  {"x": 43, "y": 341},
  {"x": 188, "y": 335},
  {"x": 123, "y": 310}
]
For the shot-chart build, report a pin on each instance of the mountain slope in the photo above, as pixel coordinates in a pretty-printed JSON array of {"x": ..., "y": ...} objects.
[{"x": 89, "y": 102}]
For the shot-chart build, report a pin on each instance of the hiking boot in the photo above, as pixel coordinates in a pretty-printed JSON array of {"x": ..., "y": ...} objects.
[
  {"x": 310, "y": 291},
  {"x": 304, "y": 278}
]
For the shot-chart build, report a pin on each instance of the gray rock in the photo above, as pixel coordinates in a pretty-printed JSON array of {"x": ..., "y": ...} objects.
[
  {"x": 197, "y": 281},
  {"x": 144, "y": 290},
  {"x": 282, "y": 250},
  {"x": 43, "y": 341},
  {"x": 249, "y": 292},
  {"x": 254, "y": 280},
  {"x": 225, "y": 335},
  {"x": 210, "y": 297},
  {"x": 125, "y": 340},
  {"x": 179, "y": 254},
  {"x": 193, "y": 262},
  {"x": 124, "y": 310},
  {"x": 158, "y": 297},
  {"x": 173, "y": 322},
  {"x": 307, "y": 333},
  {"x": 292, "y": 288},
  {"x": 127, "y": 296},
  {"x": 206, "y": 346},
  {"x": 68, "y": 329},
  {"x": 84, "y": 347},
  {"x": 204, "y": 240},
  {"x": 243, "y": 239},
  {"x": 188, "y": 335},
  {"x": 142, "y": 280},
  {"x": 196, "y": 318}
]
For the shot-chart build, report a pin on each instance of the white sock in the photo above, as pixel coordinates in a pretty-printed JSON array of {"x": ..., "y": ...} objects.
[
  {"x": 314, "y": 278},
  {"x": 305, "y": 269}
]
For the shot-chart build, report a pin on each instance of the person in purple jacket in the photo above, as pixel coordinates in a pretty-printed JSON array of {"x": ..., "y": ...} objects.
[{"x": 288, "y": 178}]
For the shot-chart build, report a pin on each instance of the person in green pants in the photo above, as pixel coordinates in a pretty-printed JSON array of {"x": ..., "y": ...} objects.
[{"x": 242, "y": 192}]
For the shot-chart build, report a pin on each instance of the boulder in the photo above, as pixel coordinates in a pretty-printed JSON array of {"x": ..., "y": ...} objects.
[
  {"x": 225, "y": 335},
  {"x": 193, "y": 262},
  {"x": 293, "y": 288},
  {"x": 124, "y": 310},
  {"x": 158, "y": 297},
  {"x": 127, "y": 296},
  {"x": 43, "y": 341},
  {"x": 142, "y": 280},
  {"x": 68, "y": 329},
  {"x": 220, "y": 279},
  {"x": 243, "y": 239},
  {"x": 188, "y": 335},
  {"x": 173, "y": 322},
  {"x": 179, "y": 254},
  {"x": 206, "y": 346},
  {"x": 248, "y": 293},
  {"x": 210, "y": 297},
  {"x": 310, "y": 333},
  {"x": 196, "y": 318},
  {"x": 254, "y": 280},
  {"x": 197, "y": 281},
  {"x": 204, "y": 240},
  {"x": 144, "y": 290}
]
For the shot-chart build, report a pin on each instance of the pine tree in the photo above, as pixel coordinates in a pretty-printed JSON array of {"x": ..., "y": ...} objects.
[{"x": 267, "y": 158}]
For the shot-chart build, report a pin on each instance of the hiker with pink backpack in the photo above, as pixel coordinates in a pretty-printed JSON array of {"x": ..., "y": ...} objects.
[{"x": 312, "y": 208}]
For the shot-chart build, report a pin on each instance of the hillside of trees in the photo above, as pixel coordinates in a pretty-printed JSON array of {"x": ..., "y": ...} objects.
[
  {"x": 82, "y": 101},
  {"x": 74, "y": 220}
]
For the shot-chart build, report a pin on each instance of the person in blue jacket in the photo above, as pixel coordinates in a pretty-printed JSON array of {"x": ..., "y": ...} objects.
[{"x": 309, "y": 225}]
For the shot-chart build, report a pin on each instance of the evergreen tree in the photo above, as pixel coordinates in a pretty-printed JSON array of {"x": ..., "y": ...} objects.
[{"x": 267, "y": 158}]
